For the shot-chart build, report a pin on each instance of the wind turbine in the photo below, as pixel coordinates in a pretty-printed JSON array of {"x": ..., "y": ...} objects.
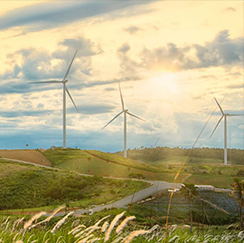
[
  {"x": 125, "y": 111},
  {"x": 65, "y": 90},
  {"x": 224, "y": 115}
]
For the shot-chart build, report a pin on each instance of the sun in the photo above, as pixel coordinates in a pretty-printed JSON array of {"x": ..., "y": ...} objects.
[{"x": 166, "y": 83}]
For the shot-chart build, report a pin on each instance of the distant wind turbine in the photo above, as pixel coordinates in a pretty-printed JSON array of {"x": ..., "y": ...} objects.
[
  {"x": 125, "y": 111},
  {"x": 224, "y": 115},
  {"x": 65, "y": 90}
]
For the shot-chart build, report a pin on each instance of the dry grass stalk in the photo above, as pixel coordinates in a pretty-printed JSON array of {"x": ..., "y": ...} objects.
[
  {"x": 19, "y": 241},
  {"x": 118, "y": 239},
  {"x": 19, "y": 221},
  {"x": 104, "y": 227},
  {"x": 92, "y": 230},
  {"x": 98, "y": 222},
  {"x": 85, "y": 239},
  {"x": 6, "y": 220},
  {"x": 123, "y": 224},
  {"x": 35, "y": 217},
  {"x": 84, "y": 231},
  {"x": 134, "y": 234},
  {"x": 48, "y": 218},
  {"x": 60, "y": 222},
  {"x": 30, "y": 238},
  {"x": 93, "y": 240},
  {"x": 111, "y": 226},
  {"x": 75, "y": 230},
  {"x": 16, "y": 236},
  {"x": 156, "y": 226}
]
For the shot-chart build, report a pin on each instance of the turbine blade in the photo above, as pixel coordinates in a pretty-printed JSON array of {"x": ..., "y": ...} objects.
[
  {"x": 67, "y": 72},
  {"x": 219, "y": 106},
  {"x": 135, "y": 116},
  {"x": 71, "y": 99},
  {"x": 46, "y": 82},
  {"x": 121, "y": 97},
  {"x": 236, "y": 115},
  {"x": 216, "y": 126},
  {"x": 113, "y": 119}
]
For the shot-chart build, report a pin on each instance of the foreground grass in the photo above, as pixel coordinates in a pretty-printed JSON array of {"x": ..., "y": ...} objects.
[{"x": 108, "y": 226}]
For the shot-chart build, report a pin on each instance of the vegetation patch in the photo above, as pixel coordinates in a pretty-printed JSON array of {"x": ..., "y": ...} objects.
[{"x": 32, "y": 187}]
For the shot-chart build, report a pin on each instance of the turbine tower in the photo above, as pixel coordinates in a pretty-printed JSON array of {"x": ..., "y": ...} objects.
[
  {"x": 125, "y": 111},
  {"x": 224, "y": 115},
  {"x": 65, "y": 90}
]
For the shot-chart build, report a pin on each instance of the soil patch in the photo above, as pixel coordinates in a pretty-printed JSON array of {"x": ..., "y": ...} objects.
[{"x": 27, "y": 155}]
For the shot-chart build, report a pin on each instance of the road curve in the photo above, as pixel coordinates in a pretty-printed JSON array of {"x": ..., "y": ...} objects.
[
  {"x": 138, "y": 196},
  {"x": 156, "y": 186}
]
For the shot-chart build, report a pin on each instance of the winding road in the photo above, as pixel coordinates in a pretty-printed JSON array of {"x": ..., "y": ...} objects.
[{"x": 156, "y": 186}]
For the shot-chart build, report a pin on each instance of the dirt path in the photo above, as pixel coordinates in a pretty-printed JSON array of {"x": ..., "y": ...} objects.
[{"x": 27, "y": 155}]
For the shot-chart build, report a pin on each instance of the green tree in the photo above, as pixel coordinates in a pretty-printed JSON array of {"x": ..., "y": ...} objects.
[
  {"x": 190, "y": 193},
  {"x": 238, "y": 193}
]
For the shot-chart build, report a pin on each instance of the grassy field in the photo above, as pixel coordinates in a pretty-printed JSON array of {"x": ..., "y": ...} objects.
[
  {"x": 108, "y": 226},
  {"x": 98, "y": 163},
  {"x": 26, "y": 186},
  {"x": 196, "y": 170}
]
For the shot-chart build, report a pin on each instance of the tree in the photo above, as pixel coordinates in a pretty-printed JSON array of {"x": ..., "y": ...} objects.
[
  {"x": 238, "y": 193},
  {"x": 190, "y": 192}
]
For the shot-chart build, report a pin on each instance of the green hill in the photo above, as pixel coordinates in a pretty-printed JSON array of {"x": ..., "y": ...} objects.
[
  {"x": 28, "y": 186},
  {"x": 98, "y": 163},
  {"x": 197, "y": 155},
  {"x": 197, "y": 170}
]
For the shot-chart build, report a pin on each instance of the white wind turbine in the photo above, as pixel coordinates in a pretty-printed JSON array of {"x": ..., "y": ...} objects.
[
  {"x": 125, "y": 111},
  {"x": 65, "y": 90},
  {"x": 224, "y": 115}
]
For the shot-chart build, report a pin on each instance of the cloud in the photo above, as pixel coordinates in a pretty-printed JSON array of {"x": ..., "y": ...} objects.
[
  {"x": 222, "y": 51},
  {"x": 56, "y": 13},
  {"x": 39, "y": 64},
  {"x": 124, "y": 48},
  {"x": 92, "y": 109},
  {"x": 235, "y": 86},
  {"x": 132, "y": 29},
  {"x": 127, "y": 65},
  {"x": 230, "y": 9},
  {"x": 12, "y": 114}
]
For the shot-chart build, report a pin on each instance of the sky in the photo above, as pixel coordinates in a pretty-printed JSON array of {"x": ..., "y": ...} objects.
[{"x": 171, "y": 59}]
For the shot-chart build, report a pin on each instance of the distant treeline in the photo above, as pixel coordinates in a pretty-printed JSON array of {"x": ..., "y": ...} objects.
[{"x": 236, "y": 156}]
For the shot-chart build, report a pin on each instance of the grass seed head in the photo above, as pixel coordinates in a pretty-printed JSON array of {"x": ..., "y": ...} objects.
[
  {"x": 123, "y": 224},
  {"x": 60, "y": 222},
  {"x": 134, "y": 234}
]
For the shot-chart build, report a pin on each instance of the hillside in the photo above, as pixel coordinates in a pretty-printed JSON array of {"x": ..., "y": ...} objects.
[
  {"x": 113, "y": 165},
  {"x": 176, "y": 154},
  {"x": 98, "y": 163},
  {"x": 196, "y": 170},
  {"x": 28, "y": 186},
  {"x": 28, "y": 155}
]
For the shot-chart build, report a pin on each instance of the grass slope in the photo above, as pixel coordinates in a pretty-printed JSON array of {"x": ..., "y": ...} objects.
[
  {"x": 196, "y": 170},
  {"x": 98, "y": 163},
  {"x": 27, "y": 186}
]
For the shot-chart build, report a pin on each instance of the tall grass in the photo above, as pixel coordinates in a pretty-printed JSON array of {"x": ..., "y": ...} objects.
[{"x": 69, "y": 229}]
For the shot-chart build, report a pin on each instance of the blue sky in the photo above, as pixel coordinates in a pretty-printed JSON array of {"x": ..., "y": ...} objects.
[{"x": 170, "y": 57}]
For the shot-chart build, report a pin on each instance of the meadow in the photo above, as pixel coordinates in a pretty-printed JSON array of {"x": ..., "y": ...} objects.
[
  {"x": 197, "y": 170},
  {"x": 30, "y": 188},
  {"x": 108, "y": 226},
  {"x": 26, "y": 189}
]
